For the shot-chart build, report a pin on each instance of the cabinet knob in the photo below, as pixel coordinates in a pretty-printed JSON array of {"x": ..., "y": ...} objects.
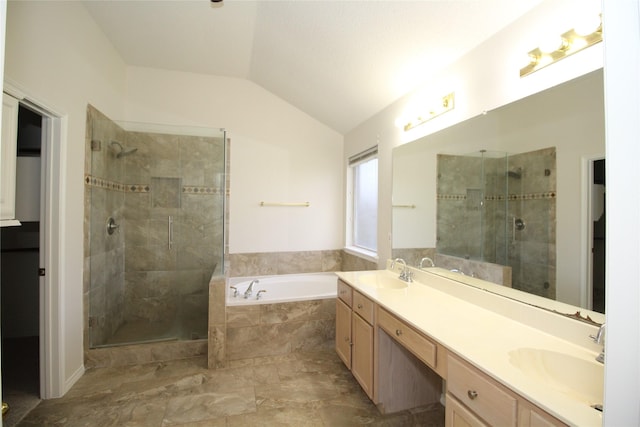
[
  {"x": 360, "y": 306},
  {"x": 398, "y": 332},
  {"x": 472, "y": 394}
]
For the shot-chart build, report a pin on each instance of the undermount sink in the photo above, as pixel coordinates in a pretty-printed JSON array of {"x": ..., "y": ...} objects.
[
  {"x": 382, "y": 280},
  {"x": 579, "y": 378}
]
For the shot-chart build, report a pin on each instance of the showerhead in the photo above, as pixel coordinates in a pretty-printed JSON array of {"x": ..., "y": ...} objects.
[
  {"x": 517, "y": 174},
  {"x": 123, "y": 151}
]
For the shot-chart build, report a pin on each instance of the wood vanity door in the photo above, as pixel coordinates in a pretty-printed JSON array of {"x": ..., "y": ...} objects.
[
  {"x": 343, "y": 332},
  {"x": 362, "y": 353}
]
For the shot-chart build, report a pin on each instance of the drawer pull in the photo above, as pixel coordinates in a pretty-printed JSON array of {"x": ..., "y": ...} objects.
[
  {"x": 472, "y": 394},
  {"x": 360, "y": 306},
  {"x": 398, "y": 332}
]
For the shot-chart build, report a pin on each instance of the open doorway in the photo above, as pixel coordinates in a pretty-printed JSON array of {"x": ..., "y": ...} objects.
[
  {"x": 598, "y": 230},
  {"x": 21, "y": 256}
]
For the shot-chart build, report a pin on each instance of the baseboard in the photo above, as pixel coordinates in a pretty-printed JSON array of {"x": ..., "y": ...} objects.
[{"x": 73, "y": 378}]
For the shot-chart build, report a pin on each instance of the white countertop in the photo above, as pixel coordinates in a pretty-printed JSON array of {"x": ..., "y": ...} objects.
[{"x": 483, "y": 337}]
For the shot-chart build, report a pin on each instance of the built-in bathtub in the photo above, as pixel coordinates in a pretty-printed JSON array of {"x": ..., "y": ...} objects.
[
  {"x": 296, "y": 313},
  {"x": 282, "y": 288}
]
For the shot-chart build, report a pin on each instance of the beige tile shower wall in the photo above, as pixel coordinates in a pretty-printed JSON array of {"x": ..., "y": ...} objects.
[
  {"x": 277, "y": 329},
  {"x": 183, "y": 178},
  {"x": 532, "y": 198}
]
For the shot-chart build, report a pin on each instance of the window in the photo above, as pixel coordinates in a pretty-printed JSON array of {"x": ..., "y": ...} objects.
[{"x": 363, "y": 201}]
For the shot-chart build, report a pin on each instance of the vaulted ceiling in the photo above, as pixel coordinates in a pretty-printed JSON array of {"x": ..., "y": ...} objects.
[{"x": 339, "y": 61}]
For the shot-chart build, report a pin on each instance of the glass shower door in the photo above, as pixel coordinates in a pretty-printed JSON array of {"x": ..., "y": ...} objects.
[{"x": 166, "y": 198}]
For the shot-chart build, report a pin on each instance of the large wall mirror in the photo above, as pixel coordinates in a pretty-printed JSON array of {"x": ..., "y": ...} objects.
[{"x": 536, "y": 165}]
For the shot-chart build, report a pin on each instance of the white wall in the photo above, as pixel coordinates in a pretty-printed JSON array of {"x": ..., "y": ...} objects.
[
  {"x": 278, "y": 153},
  {"x": 622, "y": 106},
  {"x": 58, "y": 57},
  {"x": 482, "y": 80}
]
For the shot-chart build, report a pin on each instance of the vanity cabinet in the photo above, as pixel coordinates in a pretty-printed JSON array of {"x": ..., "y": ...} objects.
[
  {"x": 475, "y": 399},
  {"x": 354, "y": 334}
]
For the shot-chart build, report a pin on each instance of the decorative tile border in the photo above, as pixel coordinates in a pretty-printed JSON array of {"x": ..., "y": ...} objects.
[
  {"x": 530, "y": 196},
  {"x": 201, "y": 190},
  {"x": 452, "y": 197},
  {"x": 93, "y": 181}
]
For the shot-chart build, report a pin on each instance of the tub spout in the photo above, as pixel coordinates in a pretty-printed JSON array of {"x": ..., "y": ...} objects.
[
  {"x": 249, "y": 290},
  {"x": 260, "y": 292}
]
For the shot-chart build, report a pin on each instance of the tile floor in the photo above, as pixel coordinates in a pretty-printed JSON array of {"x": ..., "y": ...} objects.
[{"x": 299, "y": 389}]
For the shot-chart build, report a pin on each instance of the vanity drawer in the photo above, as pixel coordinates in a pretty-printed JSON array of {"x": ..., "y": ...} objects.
[
  {"x": 363, "y": 306},
  {"x": 410, "y": 339},
  {"x": 344, "y": 292},
  {"x": 482, "y": 395}
]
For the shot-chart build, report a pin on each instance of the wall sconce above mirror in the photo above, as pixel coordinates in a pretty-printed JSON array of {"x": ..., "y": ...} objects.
[
  {"x": 428, "y": 112},
  {"x": 555, "y": 48}
]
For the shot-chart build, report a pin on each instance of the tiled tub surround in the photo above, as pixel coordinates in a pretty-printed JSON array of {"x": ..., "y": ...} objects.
[
  {"x": 268, "y": 327},
  {"x": 487, "y": 204},
  {"x": 133, "y": 280},
  {"x": 281, "y": 328},
  {"x": 494, "y": 273}
]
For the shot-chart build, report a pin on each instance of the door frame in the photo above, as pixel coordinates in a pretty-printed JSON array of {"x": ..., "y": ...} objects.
[
  {"x": 51, "y": 346},
  {"x": 586, "y": 294}
]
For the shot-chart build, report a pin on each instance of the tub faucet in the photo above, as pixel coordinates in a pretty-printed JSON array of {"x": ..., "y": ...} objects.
[
  {"x": 427, "y": 259},
  {"x": 405, "y": 274},
  {"x": 249, "y": 290},
  {"x": 598, "y": 338}
]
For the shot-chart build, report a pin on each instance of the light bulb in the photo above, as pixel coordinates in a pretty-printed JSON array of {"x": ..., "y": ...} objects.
[
  {"x": 587, "y": 25},
  {"x": 552, "y": 43}
]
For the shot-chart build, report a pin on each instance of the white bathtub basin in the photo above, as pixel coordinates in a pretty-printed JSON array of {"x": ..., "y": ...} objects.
[
  {"x": 581, "y": 379},
  {"x": 382, "y": 280}
]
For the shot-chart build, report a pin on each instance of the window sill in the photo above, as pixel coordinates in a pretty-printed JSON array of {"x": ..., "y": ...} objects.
[{"x": 362, "y": 253}]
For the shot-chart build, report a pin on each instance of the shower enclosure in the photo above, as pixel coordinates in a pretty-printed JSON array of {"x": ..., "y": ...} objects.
[
  {"x": 155, "y": 222},
  {"x": 500, "y": 208}
]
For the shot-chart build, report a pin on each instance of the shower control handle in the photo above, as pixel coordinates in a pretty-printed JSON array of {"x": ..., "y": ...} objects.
[{"x": 112, "y": 226}]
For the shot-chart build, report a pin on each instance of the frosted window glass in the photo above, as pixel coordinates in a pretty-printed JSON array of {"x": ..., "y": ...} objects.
[{"x": 365, "y": 203}]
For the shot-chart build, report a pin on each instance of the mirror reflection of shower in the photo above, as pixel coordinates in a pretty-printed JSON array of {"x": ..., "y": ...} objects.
[{"x": 123, "y": 151}]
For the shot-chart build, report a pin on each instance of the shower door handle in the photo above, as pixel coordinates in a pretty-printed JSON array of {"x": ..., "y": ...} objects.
[{"x": 170, "y": 233}]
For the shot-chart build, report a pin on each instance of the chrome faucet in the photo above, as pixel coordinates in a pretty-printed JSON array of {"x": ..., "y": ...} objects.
[
  {"x": 249, "y": 290},
  {"x": 598, "y": 338},
  {"x": 427, "y": 259},
  {"x": 405, "y": 274}
]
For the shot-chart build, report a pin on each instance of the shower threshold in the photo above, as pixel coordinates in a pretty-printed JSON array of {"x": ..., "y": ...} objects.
[
  {"x": 143, "y": 341},
  {"x": 145, "y": 332}
]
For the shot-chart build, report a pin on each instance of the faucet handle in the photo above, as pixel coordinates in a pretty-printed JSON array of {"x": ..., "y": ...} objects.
[
  {"x": 599, "y": 336},
  {"x": 235, "y": 290}
]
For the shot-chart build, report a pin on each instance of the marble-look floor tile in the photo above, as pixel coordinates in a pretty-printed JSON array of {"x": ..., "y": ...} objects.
[
  {"x": 206, "y": 406},
  {"x": 279, "y": 417},
  {"x": 297, "y": 389}
]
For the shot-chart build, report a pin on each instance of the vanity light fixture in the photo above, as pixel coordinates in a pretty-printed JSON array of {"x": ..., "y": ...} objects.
[
  {"x": 567, "y": 44},
  {"x": 445, "y": 104}
]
